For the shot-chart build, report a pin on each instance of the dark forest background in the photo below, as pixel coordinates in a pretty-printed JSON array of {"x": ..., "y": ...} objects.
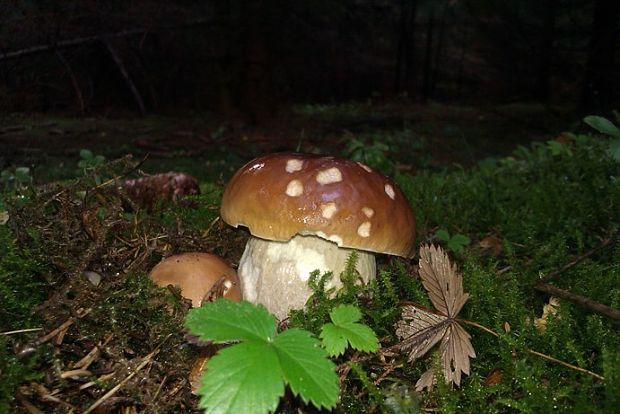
[{"x": 251, "y": 58}]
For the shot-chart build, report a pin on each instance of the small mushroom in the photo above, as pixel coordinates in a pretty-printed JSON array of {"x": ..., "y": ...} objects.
[
  {"x": 200, "y": 276},
  {"x": 307, "y": 212}
]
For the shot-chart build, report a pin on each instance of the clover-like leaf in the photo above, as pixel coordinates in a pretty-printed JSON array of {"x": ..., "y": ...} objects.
[
  {"x": 249, "y": 377},
  {"x": 224, "y": 320},
  {"x": 345, "y": 329},
  {"x": 306, "y": 368},
  {"x": 244, "y": 378}
]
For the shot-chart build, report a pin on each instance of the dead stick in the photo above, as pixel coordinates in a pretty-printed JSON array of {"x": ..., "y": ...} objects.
[
  {"x": 579, "y": 300},
  {"x": 121, "y": 67},
  {"x": 74, "y": 81},
  {"x": 108, "y": 394},
  {"x": 606, "y": 242}
]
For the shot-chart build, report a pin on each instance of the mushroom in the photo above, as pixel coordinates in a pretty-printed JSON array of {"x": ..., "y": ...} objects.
[
  {"x": 200, "y": 276},
  {"x": 307, "y": 212}
]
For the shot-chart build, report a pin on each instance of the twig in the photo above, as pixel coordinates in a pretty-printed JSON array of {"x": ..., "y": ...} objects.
[
  {"x": 92, "y": 355},
  {"x": 86, "y": 39},
  {"x": 606, "y": 242},
  {"x": 61, "y": 328},
  {"x": 539, "y": 354},
  {"x": 123, "y": 70},
  {"x": 108, "y": 394},
  {"x": 74, "y": 81},
  {"x": 18, "y": 331},
  {"x": 579, "y": 300}
]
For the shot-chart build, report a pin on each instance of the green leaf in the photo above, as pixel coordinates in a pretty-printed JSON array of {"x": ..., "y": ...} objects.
[
  {"x": 457, "y": 242},
  {"x": 334, "y": 341},
  {"x": 244, "y": 378},
  {"x": 613, "y": 149},
  {"x": 602, "y": 125},
  {"x": 223, "y": 320},
  {"x": 346, "y": 329},
  {"x": 306, "y": 368},
  {"x": 442, "y": 235},
  {"x": 249, "y": 377},
  {"x": 86, "y": 154}
]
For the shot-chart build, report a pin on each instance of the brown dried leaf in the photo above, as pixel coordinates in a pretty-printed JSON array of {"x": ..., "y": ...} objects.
[
  {"x": 420, "y": 329},
  {"x": 494, "y": 377},
  {"x": 427, "y": 380},
  {"x": 549, "y": 310},
  {"x": 491, "y": 245},
  {"x": 440, "y": 279},
  {"x": 456, "y": 349}
]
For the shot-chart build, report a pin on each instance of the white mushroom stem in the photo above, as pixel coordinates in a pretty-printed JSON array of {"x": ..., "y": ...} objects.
[{"x": 276, "y": 274}]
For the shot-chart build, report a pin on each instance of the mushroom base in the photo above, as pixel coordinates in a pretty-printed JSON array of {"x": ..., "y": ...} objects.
[{"x": 276, "y": 274}]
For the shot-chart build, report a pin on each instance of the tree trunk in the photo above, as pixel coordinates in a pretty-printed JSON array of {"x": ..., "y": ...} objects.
[
  {"x": 405, "y": 52},
  {"x": 600, "y": 76},
  {"x": 542, "y": 86},
  {"x": 428, "y": 58}
]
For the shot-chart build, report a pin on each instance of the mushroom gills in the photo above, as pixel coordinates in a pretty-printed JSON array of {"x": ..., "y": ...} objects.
[{"x": 276, "y": 274}]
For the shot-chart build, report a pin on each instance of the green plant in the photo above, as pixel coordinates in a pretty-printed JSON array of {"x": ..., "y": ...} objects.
[
  {"x": 16, "y": 179},
  {"x": 345, "y": 329},
  {"x": 375, "y": 155},
  {"x": 88, "y": 160},
  {"x": 249, "y": 376},
  {"x": 605, "y": 126},
  {"x": 456, "y": 242}
]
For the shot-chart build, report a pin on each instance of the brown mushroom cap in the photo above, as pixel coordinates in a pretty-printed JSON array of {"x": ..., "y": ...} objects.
[
  {"x": 280, "y": 195},
  {"x": 196, "y": 274}
]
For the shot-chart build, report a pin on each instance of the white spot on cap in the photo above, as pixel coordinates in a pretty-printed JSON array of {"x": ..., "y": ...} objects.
[
  {"x": 364, "y": 229},
  {"x": 389, "y": 190},
  {"x": 368, "y": 212},
  {"x": 293, "y": 165},
  {"x": 228, "y": 284},
  {"x": 328, "y": 176},
  {"x": 364, "y": 166},
  {"x": 294, "y": 188},
  {"x": 328, "y": 209}
]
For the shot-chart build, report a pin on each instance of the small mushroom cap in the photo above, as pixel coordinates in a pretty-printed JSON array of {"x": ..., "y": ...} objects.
[
  {"x": 280, "y": 195},
  {"x": 196, "y": 274}
]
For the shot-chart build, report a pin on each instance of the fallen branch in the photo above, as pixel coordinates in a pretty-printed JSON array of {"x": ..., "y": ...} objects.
[
  {"x": 123, "y": 70},
  {"x": 606, "y": 242},
  {"x": 579, "y": 300},
  {"x": 87, "y": 39},
  {"x": 147, "y": 359}
]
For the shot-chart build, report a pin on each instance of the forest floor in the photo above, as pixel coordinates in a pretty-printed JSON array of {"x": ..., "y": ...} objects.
[
  {"x": 74, "y": 254},
  {"x": 417, "y": 136}
]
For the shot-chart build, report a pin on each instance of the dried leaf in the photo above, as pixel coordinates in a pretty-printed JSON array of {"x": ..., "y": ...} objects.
[
  {"x": 494, "y": 377},
  {"x": 506, "y": 327},
  {"x": 440, "y": 279},
  {"x": 456, "y": 349},
  {"x": 427, "y": 380},
  {"x": 420, "y": 329},
  {"x": 491, "y": 245},
  {"x": 549, "y": 309}
]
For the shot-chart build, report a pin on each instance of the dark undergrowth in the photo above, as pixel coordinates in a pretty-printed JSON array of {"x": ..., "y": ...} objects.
[{"x": 77, "y": 254}]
